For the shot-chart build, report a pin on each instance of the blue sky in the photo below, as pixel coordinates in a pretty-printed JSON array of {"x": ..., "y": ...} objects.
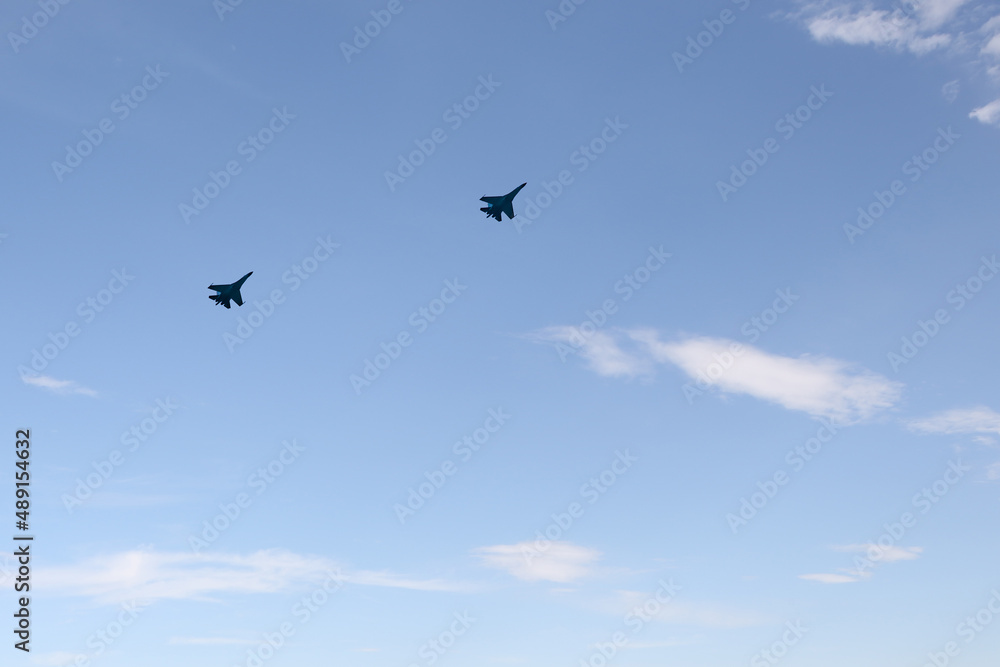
[{"x": 721, "y": 393}]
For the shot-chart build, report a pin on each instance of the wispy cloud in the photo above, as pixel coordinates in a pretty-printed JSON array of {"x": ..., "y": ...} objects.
[
  {"x": 682, "y": 612},
  {"x": 874, "y": 555},
  {"x": 979, "y": 419},
  {"x": 988, "y": 114},
  {"x": 696, "y": 613},
  {"x": 602, "y": 352},
  {"x": 890, "y": 554},
  {"x": 390, "y": 580},
  {"x": 149, "y": 575},
  {"x": 969, "y": 30},
  {"x": 819, "y": 386},
  {"x": 57, "y": 386},
  {"x": 877, "y": 27},
  {"x": 561, "y": 562}
]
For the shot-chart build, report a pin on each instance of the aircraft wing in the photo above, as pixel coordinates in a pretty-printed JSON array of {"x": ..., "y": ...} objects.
[
  {"x": 508, "y": 208},
  {"x": 238, "y": 298},
  {"x": 218, "y": 288},
  {"x": 490, "y": 200}
]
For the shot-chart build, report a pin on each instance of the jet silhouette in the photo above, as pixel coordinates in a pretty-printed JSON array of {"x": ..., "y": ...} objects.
[
  {"x": 496, "y": 206},
  {"x": 226, "y": 293}
]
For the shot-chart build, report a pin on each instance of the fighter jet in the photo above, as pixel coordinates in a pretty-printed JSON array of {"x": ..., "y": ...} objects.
[
  {"x": 225, "y": 293},
  {"x": 495, "y": 206}
]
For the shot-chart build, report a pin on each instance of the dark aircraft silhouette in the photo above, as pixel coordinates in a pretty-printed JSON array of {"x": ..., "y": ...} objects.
[
  {"x": 495, "y": 206},
  {"x": 229, "y": 292}
]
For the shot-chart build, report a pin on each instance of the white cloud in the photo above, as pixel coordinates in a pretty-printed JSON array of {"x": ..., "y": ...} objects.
[
  {"x": 148, "y": 575},
  {"x": 935, "y": 13},
  {"x": 561, "y": 562},
  {"x": 57, "y": 386},
  {"x": 679, "y": 611},
  {"x": 992, "y": 47},
  {"x": 875, "y": 27},
  {"x": 873, "y": 555},
  {"x": 889, "y": 554},
  {"x": 390, "y": 580},
  {"x": 819, "y": 386},
  {"x": 988, "y": 114},
  {"x": 979, "y": 419},
  {"x": 603, "y": 354},
  {"x": 917, "y": 26}
]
